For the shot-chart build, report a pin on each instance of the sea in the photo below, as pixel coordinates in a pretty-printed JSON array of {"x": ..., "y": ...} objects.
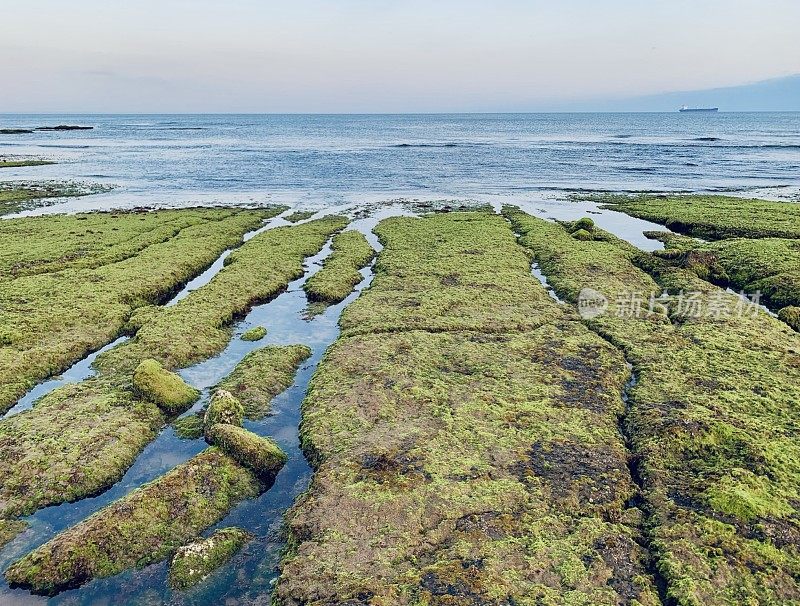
[{"x": 317, "y": 161}]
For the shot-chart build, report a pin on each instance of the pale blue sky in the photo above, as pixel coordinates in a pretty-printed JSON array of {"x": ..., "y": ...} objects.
[{"x": 382, "y": 55}]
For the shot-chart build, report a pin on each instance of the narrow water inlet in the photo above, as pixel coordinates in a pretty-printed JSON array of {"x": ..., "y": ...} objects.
[
  {"x": 536, "y": 272},
  {"x": 80, "y": 371},
  {"x": 639, "y": 502},
  {"x": 746, "y": 300},
  {"x": 212, "y": 270}
]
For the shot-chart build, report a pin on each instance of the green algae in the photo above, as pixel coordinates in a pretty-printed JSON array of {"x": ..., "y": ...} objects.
[
  {"x": 790, "y": 315},
  {"x": 453, "y": 271},
  {"x": 223, "y": 408},
  {"x": 75, "y": 442},
  {"x": 254, "y": 334},
  {"x": 56, "y": 243},
  {"x": 263, "y": 374},
  {"x": 313, "y": 309},
  {"x": 489, "y": 463},
  {"x": 68, "y": 284},
  {"x": 713, "y": 217},
  {"x": 189, "y": 427},
  {"x": 769, "y": 266},
  {"x": 582, "y": 234},
  {"x": 711, "y": 419},
  {"x": 300, "y": 215},
  {"x": 9, "y": 529},
  {"x": 164, "y": 388},
  {"x": 21, "y": 163},
  {"x": 586, "y": 224},
  {"x": 199, "y": 326},
  {"x": 19, "y": 196},
  {"x": 146, "y": 526},
  {"x": 193, "y": 563},
  {"x": 472, "y": 450},
  {"x": 340, "y": 271},
  {"x": 261, "y": 455},
  {"x": 81, "y": 438}
]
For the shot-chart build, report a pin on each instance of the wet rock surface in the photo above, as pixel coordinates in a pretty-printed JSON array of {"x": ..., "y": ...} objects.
[
  {"x": 714, "y": 445},
  {"x": 451, "y": 443}
]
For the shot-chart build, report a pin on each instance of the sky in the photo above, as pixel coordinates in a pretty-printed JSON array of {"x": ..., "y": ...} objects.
[{"x": 382, "y": 55}]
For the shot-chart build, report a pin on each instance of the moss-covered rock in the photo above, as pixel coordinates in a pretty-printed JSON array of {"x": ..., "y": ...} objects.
[
  {"x": 169, "y": 391},
  {"x": 70, "y": 283},
  {"x": 140, "y": 317},
  {"x": 582, "y": 234},
  {"x": 254, "y": 334},
  {"x": 81, "y": 438},
  {"x": 790, "y": 315},
  {"x": 223, "y": 408},
  {"x": 75, "y": 442},
  {"x": 9, "y": 529},
  {"x": 6, "y": 162},
  {"x": 586, "y": 223},
  {"x": 454, "y": 271},
  {"x": 712, "y": 217},
  {"x": 199, "y": 326},
  {"x": 189, "y": 427},
  {"x": 262, "y": 455},
  {"x": 464, "y": 434},
  {"x": 711, "y": 417},
  {"x": 143, "y": 527},
  {"x": 769, "y": 267},
  {"x": 300, "y": 215},
  {"x": 340, "y": 271},
  {"x": 19, "y": 196},
  {"x": 194, "y": 562},
  {"x": 263, "y": 374}
]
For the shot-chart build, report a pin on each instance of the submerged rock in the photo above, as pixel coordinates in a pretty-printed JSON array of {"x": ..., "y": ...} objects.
[
  {"x": 300, "y": 215},
  {"x": 254, "y": 334},
  {"x": 189, "y": 427},
  {"x": 9, "y": 529},
  {"x": 194, "y": 562},
  {"x": 61, "y": 127},
  {"x": 169, "y": 391}
]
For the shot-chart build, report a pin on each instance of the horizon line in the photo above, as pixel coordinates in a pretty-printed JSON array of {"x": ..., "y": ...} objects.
[{"x": 378, "y": 113}]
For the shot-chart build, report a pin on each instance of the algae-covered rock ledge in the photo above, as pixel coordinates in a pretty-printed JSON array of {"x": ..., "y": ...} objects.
[
  {"x": 469, "y": 439},
  {"x": 144, "y": 527}
]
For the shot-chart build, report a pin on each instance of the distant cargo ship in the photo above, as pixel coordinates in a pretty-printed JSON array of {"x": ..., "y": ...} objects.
[{"x": 686, "y": 109}]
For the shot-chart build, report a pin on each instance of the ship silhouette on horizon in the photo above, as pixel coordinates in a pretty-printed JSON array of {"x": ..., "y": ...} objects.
[{"x": 686, "y": 109}]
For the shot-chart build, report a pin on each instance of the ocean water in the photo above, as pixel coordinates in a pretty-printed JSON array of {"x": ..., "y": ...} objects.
[{"x": 329, "y": 160}]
